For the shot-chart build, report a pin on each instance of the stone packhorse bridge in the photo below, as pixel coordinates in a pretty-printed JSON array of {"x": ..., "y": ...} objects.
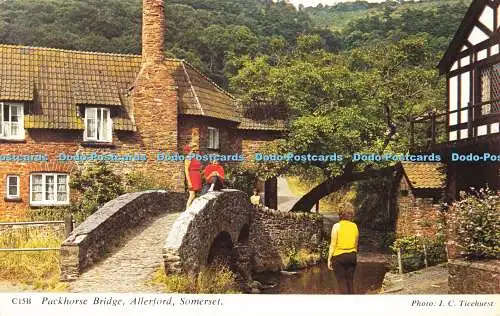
[
  {"x": 120, "y": 246},
  {"x": 215, "y": 229}
]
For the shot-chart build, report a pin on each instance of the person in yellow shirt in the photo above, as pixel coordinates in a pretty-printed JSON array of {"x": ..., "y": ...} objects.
[
  {"x": 256, "y": 198},
  {"x": 343, "y": 249}
]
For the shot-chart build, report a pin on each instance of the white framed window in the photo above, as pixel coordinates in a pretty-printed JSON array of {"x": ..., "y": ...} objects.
[
  {"x": 11, "y": 120},
  {"x": 49, "y": 189},
  {"x": 213, "y": 138},
  {"x": 12, "y": 187},
  {"x": 98, "y": 125}
]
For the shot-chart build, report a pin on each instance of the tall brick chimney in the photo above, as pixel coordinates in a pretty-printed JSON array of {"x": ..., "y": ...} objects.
[
  {"x": 153, "y": 30},
  {"x": 154, "y": 98}
]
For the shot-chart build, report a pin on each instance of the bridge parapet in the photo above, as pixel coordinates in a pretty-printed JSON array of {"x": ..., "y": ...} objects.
[
  {"x": 89, "y": 242},
  {"x": 190, "y": 240}
]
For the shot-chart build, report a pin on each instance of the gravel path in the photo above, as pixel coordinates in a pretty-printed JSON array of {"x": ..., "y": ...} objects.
[{"x": 130, "y": 266}]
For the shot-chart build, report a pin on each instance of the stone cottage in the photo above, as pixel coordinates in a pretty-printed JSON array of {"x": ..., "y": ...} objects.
[{"x": 55, "y": 101}]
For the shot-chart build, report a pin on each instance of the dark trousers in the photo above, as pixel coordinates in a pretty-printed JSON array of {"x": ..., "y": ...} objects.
[{"x": 344, "y": 266}]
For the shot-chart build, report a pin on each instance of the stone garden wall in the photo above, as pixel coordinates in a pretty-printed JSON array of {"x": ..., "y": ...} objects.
[
  {"x": 273, "y": 234},
  {"x": 474, "y": 277},
  {"x": 89, "y": 242}
]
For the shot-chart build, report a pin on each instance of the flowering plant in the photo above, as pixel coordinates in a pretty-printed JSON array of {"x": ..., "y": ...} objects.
[{"x": 475, "y": 224}]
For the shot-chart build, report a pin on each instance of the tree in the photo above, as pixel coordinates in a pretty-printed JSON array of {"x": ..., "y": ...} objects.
[{"x": 350, "y": 103}]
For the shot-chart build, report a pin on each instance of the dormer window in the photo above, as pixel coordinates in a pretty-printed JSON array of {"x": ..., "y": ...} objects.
[
  {"x": 11, "y": 120},
  {"x": 98, "y": 125}
]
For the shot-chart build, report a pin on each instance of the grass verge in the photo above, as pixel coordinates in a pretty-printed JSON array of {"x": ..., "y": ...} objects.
[
  {"x": 38, "y": 270},
  {"x": 215, "y": 280}
]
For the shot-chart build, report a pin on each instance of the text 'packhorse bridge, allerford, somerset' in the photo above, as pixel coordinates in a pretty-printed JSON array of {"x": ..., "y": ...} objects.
[{"x": 119, "y": 247}]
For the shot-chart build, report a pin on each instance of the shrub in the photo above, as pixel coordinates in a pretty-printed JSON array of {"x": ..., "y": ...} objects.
[
  {"x": 323, "y": 249},
  {"x": 413, "y": 254},
  {"x": 388, "y": 239},
  {"x": 96, "y": 185},
  {"x": 241, "y": 179},
  {"x": 217, "y": 280},
  {"x": 302, "y": 258},
  {"x": 137, "y": 181},
  {"x": 476, "y": 225},
  {"x": 48, "y": 213}
]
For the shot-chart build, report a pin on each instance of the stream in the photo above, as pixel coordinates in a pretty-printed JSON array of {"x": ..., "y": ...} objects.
[{"x": 319, "y": 280}]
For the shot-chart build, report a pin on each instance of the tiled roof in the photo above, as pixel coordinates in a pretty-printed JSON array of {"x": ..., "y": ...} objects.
[
  {"x": 250, "y": 124},
  {"x": 424, "y": 175},
  {"x": 54, "y": 82},
  {"x": 201, "y": 96}
]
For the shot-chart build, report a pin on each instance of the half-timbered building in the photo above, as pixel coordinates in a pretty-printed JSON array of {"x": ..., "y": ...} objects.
[{"x": 471, "y": 64}]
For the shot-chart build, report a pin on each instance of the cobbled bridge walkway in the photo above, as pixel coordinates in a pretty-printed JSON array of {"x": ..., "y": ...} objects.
[{"x": 130, "y": 267}]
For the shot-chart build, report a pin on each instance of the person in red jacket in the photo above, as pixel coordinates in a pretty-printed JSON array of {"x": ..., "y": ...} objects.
[
  {"x": 214, "y": 177},
  {"x": 192, "y": 168}
]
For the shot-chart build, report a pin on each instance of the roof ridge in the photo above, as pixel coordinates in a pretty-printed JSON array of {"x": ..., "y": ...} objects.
[
  {"x": 67, "y": 50},
  {"x": 208, "y": 79},
  {"x": 98, "y": 53}
]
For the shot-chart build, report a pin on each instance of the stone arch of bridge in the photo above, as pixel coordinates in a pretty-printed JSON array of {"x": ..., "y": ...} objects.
[{"x": 220, "y": 217}]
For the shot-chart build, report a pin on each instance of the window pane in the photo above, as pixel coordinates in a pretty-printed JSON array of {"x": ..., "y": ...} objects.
[
  {"x": 490, "y": 89},
  {"x": 453, "y": 96},
  {"x": 37, "y": 179},
  {"x": 62, "y": 193},
  {"x": 90, "y": 114},
  {"x": 485, "y": 85},
  {"x": 465, "y": 89},
  {"x": 14, "y": 129},
  {"x": 495, "y": 88},
  {"x": 13, "y": 191},
  {"x": 36, "y": 188},
  {"x": 15, "y": 113},
  {"x": 99, "y": 124},
  {"x": 37, "y": 196},
  {"x": 91, "y": 128},
  {"x": 216, "y": 145},
  {"x": 12, "y": 186},
  {"x": 6, "y": 113},
  {"x": 105, "y": 123},
  {"x": 211, "y": 138},
  {"x": 1, "y": 119},
  {"x": 13, "y": 181},
  {"x": 61, "y": 179},
  {"x": 62, "y": 196},
  {"x": 49, "y": 188}
]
